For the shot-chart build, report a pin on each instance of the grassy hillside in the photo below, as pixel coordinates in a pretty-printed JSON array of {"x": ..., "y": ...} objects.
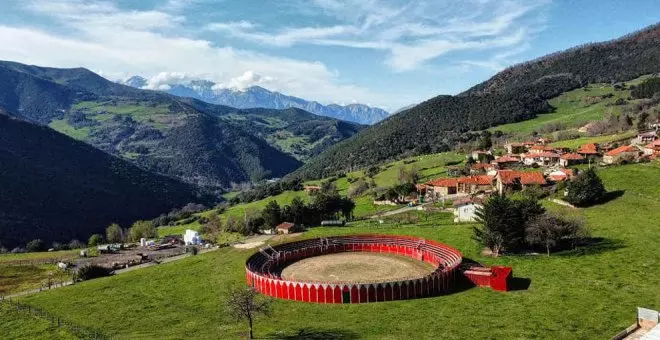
[
  {"x": 57, "y": 189},
  {"x": 591, "y": 293},
  {"x": 516, "y": 94},
  {"x": 576, "y": 108},
  {"x": 429, "y": 166},
  {"x": 20, "y": 325}
]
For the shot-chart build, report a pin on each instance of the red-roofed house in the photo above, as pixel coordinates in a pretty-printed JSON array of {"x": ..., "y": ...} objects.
[
  {"x": 286, "y": 228},
  {"x": 474, "y": 184},
  {"x": 622, "y": 153},
  {"x": 441, "y": 187},
  {"x": 589, "y": 150},
  {"x": 569, "y": 159},
  {"x": 513, "y": 180},
  {"x": 516, "y": 148},
  {"x": 653, "y": 149},
  {"x": 560, "y": 175},
  {"x": 541, "y": 149},
  {"x": 479, "y": 168},
  {"x": 545, "y": 158},
  {"x": 506, "y": 161}
]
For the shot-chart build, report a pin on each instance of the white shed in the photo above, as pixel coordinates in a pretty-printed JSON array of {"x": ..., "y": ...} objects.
[
  {"x": 191, "y": 237},
  {"x": 465, "y": 210}
]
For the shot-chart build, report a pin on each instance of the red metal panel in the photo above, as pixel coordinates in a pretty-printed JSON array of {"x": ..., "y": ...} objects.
[
  {"x": 501, "y": 277},
  {"x": 305, "y": 290},
  {"x": 372, "y": 293},
  {"x": 364, "y": 295},
  {"x": 321, "y": 293},
  {"x": 355, "y": 294},
  {"x": 299, "y": 294},
  {"x": 291, "y": 291},
  {"x": 329, "y": 294},
  {"x": 337, "y": 295},
  {"x": 380, "y": 293},
  {"x": 312, "y": 294}
]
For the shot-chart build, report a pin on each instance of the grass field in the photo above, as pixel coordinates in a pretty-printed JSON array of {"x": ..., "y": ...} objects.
[
  {"x": 20, "y": 325},
  {"x": 576, "y": 143},
  {"x": 590, "y": 293},
  {"x": 574, "y": 108}
]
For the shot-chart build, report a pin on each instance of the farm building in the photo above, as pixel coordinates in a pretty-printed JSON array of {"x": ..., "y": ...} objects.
[
  {"x": 465, "y": 209},
  {"x": 589, "y": 150},
  {"x": 622, "y": 153}
]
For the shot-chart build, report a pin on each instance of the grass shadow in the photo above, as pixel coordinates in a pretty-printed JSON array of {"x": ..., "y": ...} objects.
[
  {"x": 519, "y": 283},
  {"x": 592, "y": 246},
  {"x": 314, "y": 333},
  {"x": 609, "y": 197}
]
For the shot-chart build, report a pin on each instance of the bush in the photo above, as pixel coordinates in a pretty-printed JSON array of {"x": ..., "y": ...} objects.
[
  {"x": 92, "y": 271},
  {"x": 192, "y": 250},
  {"x": 36, "y": 245}
]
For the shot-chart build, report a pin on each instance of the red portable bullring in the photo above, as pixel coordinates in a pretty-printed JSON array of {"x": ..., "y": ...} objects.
[{"x": 263, "y": 269}]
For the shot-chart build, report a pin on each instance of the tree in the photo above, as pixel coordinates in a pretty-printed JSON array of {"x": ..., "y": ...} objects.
[
  {"x": 213, "y": 227},
  {"x": 114, "y": 233},
  {"x": 76, "y": 244},
  {"x": 547, "y": 230},
  {"x": 36, "y": 245},
  {"x": 586, "y": 189},
  {"x": 503, "y": 223},
  {"x": 272, "y": 214},
  {"x": 408, "y": 176},
  {"x": 95, "y": 240},
  {"x": 297, "y": 210},
  {"x": 246, "y": 304},
  {"x": 347, "y": 206},
  {"x": 485, "y": 141},
  {"x": 142, "y": 229}
]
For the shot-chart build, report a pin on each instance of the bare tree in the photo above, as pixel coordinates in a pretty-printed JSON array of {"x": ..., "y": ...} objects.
[{"x": 245, "y": 303}]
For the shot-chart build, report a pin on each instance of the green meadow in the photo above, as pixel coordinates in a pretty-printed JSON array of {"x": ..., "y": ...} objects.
[{"x": 588, "y": 293}]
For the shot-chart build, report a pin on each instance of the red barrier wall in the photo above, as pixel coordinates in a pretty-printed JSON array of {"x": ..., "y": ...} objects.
[{"x": 446, "y": 260}]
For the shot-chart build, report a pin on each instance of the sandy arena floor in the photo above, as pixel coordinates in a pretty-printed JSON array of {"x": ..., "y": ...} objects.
[{"x": 356, "y": 267}]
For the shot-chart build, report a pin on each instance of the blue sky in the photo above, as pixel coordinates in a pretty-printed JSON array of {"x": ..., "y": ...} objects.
[{"x": 388, "y": 53}]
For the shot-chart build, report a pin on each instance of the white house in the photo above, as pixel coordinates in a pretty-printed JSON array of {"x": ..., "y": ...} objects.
[
  {"x": 465, "y": 210},
  {"x": 191, "y": 237}
]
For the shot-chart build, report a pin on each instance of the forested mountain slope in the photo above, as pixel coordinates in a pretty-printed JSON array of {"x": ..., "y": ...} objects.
[
  {"x": 154, "y": 130},
  {"x": 55, "y": 188},
  {"x": 515, "y": 94}
]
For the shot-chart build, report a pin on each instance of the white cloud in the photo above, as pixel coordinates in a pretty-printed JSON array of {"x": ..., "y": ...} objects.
[
  {"x": 411, "y": 33},
  {"x": 242, "y": 82},
  {"x": 102, "y": 38}
]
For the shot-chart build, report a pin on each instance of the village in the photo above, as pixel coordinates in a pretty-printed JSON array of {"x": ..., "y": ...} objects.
[{"x": 524, "y": 165}]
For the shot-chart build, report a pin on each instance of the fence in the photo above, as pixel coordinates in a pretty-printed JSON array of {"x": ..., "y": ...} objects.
[{"x": 78, "y": 331}]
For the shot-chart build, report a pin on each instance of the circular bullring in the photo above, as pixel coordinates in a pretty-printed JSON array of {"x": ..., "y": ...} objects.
[{"x": 354, "y": 269}]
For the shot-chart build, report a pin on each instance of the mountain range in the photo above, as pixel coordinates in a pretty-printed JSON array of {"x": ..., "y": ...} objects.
[
  {"x": 259, "y": 97},
  {"x": 515, "y": 94},
  {"x": 202, "y": 144}
]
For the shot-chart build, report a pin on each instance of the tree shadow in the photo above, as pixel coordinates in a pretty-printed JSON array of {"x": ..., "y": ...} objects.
[
  {"x": 519, "y": 283},
  {"x": 609, "y": 196},
  {"x": 592, "y": 246},
  {"x": 315, "y": 333}
]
